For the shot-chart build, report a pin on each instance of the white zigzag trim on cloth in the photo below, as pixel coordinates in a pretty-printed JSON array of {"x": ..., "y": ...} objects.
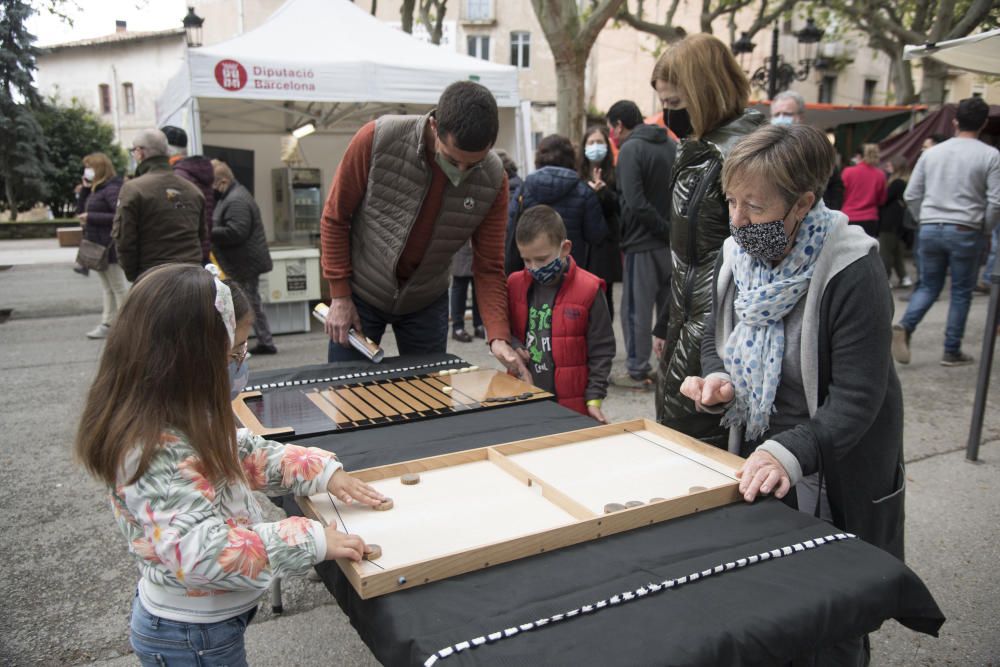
[
  {"x": 354, "y": 376},
  {"x": 639, "y": 593}
]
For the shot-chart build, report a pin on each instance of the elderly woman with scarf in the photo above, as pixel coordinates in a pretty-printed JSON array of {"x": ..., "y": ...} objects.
[
  {"x": 797, "y": 353},
  {"x": 796, "y": 356}
]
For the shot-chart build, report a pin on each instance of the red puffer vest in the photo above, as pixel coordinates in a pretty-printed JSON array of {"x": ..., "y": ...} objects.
[{"x": 570, "y": 317}]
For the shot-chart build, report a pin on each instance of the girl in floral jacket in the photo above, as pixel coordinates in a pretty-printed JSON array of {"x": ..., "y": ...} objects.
[{"x": 158, "y": 429}]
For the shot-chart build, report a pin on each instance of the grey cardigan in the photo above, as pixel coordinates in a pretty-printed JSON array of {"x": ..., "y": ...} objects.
[{"x": 854, "y": 436}]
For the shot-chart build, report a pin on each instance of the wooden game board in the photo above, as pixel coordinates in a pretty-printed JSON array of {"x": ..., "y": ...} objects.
[
  {"x": 316, "y": 409},
  {"x": 481, "y": 507}
]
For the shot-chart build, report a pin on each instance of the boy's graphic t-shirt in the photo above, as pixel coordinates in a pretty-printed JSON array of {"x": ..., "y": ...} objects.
[{"x": 538, "y": 337}]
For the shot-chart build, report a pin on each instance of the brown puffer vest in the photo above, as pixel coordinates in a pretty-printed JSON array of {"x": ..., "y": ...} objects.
[{"x": 398, "y": 181}]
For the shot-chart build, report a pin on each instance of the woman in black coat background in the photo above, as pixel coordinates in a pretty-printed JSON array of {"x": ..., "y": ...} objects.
[{"x": 96, "y": 206}]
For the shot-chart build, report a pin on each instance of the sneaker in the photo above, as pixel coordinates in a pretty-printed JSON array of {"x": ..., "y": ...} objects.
[
  {"x": 461, "y": 335},
  {"x": 906, "y": 282},
  {"x": 98, "y": 332},
  {"x": 981, "y": 288},
  {"x": 900, "y": 344},
  {"x": 956, "y": 359},
  {"x": 626, "y": 381},
  {"x": 82, "y": 270},
  {"x": 263, "y": 349},
  {"x": 480, "y": 332}
]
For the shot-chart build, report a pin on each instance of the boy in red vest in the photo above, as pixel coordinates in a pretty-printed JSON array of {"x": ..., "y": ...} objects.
[{"x": 563, "y": 332}]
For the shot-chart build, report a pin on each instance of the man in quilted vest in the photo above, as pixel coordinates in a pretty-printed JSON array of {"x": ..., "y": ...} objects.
[
  {"x": 559, "y": 316},
  {"x": 410, "y": 191}
]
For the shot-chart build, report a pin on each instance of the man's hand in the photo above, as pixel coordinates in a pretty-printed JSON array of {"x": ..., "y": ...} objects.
[
  {"x": 341, "y": 317},
  {"x": 658, "y": 345},
  {"x": 710, "y": 391},
  {"x": 511, "y": 360}
]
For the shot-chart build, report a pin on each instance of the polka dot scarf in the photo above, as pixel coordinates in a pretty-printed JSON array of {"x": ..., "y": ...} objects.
[{"x": 764, "y": 295}]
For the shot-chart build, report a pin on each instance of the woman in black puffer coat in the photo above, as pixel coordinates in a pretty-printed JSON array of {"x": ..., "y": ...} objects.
[
  {"x": 96, "y": 206},
  {"x": 556, "y": 184},
  {"x": 704, "y": 94}
]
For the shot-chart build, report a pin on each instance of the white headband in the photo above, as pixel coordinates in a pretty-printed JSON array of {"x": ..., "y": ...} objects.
[{"x": 224, "y": 303}]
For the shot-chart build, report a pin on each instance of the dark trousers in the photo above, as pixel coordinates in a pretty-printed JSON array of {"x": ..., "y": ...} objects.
[
  {"x": 261, "y": 327},
  {"x": 459, "y": 289},
  {"x": 422, "y": 332}
]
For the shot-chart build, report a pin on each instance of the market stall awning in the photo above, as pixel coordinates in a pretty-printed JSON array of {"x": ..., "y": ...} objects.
[
  {"x": 975, "y": 53},
  {"x": 829, "y": 116}
]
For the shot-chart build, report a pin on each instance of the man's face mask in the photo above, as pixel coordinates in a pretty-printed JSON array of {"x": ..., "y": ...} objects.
[
  {"x": 454, "y": 173},
  {"x": 548, "y": 274},
  {"x": 678, "y": 121},
  {"x": 782, "y": 120}
]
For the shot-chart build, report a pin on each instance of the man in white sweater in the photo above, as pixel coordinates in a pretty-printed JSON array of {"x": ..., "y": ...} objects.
[{"x": 955, "y": 194}]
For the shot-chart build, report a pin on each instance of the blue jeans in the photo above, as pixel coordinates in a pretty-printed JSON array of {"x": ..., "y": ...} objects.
[
  {"x": 944, "y": 248},
  {"x": 158, "y": 641},
  {"x": 991, "y": 260},
  {"x": 422, "y": 332}
]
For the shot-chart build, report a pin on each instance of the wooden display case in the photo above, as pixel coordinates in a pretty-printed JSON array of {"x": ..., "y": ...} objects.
[{"x": 481, "y": 507}]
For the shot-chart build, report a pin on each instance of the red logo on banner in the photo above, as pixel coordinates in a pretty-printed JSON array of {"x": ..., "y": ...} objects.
[{"x": 230, "y": 75}]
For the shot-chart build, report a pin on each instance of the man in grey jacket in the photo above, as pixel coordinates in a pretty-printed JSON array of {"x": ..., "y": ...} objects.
[
  {"x": 645, "y": 159},
  {"x": 240, "y": 246},
  {"x": 955, "y": 194}
]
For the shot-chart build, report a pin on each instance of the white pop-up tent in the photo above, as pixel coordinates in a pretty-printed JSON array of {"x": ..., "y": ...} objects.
[
  {"x": 975, "y": 53},
  {"x": 327, "y": 62}
]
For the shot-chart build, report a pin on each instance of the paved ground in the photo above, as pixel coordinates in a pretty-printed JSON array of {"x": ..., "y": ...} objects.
[{"x": 66, "y": 579}]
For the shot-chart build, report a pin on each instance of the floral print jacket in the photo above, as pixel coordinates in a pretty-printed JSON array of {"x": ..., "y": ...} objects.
[{"x": 203, "y": 551}]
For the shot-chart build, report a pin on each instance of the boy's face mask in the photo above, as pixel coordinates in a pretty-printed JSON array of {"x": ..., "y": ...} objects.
[{"x": 549, "y": 273}]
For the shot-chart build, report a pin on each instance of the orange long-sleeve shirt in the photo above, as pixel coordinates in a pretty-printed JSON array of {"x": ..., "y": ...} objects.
[{"x": 348, "y": 191}]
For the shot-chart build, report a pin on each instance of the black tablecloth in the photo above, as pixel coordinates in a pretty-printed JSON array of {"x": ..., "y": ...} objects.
[{"x": 763, "y": 614}]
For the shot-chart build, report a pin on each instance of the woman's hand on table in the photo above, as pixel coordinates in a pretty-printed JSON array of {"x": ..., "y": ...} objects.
[
  {"x": 762, "y": 474},
  {"x": 707, "y": 391},
  {"x": 347, "y": 488}
]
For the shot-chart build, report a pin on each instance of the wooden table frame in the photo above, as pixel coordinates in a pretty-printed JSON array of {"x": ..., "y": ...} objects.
[{"x": 589, "y": 526}]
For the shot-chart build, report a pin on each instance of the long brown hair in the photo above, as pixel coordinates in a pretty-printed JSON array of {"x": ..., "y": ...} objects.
[
  {"x": 164, "y": 367},
  {"x": 707, "y": 74}
]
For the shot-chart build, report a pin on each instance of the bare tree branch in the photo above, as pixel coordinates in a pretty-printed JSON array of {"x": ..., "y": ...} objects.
[
  {"x": 664, "y": 31},
  {"x": 974, "y": 15}
]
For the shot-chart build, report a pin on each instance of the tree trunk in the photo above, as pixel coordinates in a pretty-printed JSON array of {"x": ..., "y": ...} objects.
[
  {"x": 571, "y": 112},
  {"x": 902, "y": 74},
  {"x": 11, "y": 200},
  {"x": 932, "y": 87},
  {"x": 406, "y": 15}
]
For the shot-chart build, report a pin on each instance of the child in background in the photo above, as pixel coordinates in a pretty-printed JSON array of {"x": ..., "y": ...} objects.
[
  {"x": 158, "y": 430},
  {"x": 563, "y": 330}
]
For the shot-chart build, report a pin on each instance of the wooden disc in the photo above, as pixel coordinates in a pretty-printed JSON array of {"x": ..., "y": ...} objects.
[
  {"x": 374, "y": 553},
  {"x": 634, "y": 503},
  {"x": 410, "y": 478},
  {"x": 696, "y": 489},
  {"x": 610, "y": 508},
  {"x": 384, "y": 506},
  {"x": 656, "y": 500}
]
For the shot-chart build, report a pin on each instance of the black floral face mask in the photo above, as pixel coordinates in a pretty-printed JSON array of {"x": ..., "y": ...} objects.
[{"x": 765, "y": 241}]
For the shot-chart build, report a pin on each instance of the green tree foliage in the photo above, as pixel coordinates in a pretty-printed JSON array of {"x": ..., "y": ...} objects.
[
  {"x": 73, "y": 132},
  {"x": 23, "y": 162}
]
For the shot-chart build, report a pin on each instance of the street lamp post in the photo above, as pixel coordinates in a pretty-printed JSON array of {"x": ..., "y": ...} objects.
[
  {"x": 192, "y": 28},
  {"x": 777, "y": 75}
]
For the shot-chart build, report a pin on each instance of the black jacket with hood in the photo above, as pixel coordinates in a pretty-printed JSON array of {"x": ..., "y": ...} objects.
[{"x": 645, "y": 161}]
